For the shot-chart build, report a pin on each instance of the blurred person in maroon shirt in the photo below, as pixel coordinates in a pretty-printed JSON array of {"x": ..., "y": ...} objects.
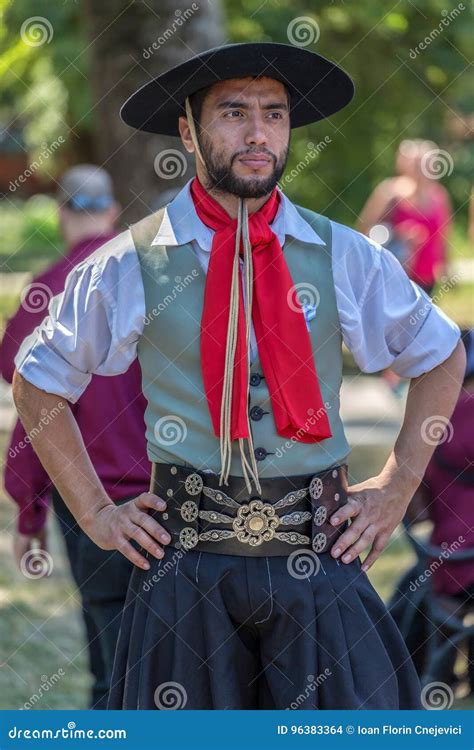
[
  {"x": 446, "y": 497},
  {"x": 110, "y": 417},
  {"x": 449, "y": 488}
]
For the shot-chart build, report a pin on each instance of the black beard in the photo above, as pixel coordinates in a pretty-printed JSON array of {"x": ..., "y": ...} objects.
[{"x": 221, "y": 178}]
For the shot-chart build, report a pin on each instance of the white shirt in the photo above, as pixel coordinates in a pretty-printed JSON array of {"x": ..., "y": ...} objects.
[{"x": 94, "y": 325}]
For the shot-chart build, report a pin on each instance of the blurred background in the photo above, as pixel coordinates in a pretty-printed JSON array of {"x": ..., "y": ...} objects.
[{"x": 67, "y": 67}]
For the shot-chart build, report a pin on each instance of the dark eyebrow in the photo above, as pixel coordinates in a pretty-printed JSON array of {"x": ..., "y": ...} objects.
[{"x": 234, "y": 104}]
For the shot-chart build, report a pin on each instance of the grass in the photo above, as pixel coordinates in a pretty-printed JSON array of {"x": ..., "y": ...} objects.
[{"x": 41, "y": 632}]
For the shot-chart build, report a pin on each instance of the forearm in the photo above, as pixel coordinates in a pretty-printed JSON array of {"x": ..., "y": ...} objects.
[
  {"x": 57, "y": 440},
  {"x": 430, "y": 403}
]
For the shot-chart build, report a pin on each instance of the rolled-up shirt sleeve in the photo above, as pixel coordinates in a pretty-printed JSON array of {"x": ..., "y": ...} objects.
[
  {"x": 386, "y": 319},
  {"x": 92, "y": 327}
]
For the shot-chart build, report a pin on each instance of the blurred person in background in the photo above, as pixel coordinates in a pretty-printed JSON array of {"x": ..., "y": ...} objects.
[
  {"x": 110, "y": 418},
  {"x": 449, "y": 487},
  {"x": 446, "y": 498},
  {"x": 412, "y": 211},
  {"x": 410, "y": 215}
]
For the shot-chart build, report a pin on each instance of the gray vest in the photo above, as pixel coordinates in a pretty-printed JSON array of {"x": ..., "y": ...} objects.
[{"x": 178, "y": 424}]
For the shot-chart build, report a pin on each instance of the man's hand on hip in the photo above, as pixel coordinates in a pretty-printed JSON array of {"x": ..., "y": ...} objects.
[
  {"x": 113, "y": 526},
  {"x": 375, "y": 511}
]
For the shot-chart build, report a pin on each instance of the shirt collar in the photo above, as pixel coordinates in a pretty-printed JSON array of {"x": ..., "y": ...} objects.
[{"x": 181, "y": 224}]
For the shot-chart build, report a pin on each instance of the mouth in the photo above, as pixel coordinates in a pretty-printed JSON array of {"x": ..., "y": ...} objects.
[{"x": 255, "y": 161}]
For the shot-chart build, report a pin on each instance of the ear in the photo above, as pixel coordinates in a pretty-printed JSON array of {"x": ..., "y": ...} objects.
[{"x": 185, "y": 134}]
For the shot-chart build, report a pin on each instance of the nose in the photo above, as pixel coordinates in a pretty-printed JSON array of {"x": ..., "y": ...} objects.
[{"x": 256, "y": 132}]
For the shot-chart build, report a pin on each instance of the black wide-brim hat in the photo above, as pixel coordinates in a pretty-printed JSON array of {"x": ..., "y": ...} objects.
[{"x": 318, "y": 87}]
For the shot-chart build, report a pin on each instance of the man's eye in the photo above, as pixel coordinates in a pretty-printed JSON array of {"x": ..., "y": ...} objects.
[
  {"x": 233, "y": 112},
  {"x": 278, "y": 114}
]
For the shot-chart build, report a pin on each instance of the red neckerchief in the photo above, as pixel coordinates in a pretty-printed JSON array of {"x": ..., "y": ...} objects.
[{"x": 280, "y": 328}]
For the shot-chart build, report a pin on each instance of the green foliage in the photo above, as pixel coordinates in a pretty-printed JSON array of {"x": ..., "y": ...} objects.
[
  {"x": 30, "y": 234},
  {"x": 43, "y": 74},
  {"x": 397, "y": 95}
]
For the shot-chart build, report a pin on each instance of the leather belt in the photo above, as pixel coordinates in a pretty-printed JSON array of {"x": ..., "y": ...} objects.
[{"x": 292, "y": 513}]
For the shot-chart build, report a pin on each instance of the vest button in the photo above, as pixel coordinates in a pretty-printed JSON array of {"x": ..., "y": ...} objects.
[
  {"x": 256, "y": 413},
  {"x": 255, "y": 378},
  {"x": 260, "y": 454}
]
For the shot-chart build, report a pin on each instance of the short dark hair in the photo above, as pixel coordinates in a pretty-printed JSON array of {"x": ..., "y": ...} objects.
[{"x": 196, "y": 100}]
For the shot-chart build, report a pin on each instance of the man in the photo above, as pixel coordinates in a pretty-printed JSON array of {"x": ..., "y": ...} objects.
[
  {"x": 240, "y": 597},
  {"x": 110, "y": 418}
]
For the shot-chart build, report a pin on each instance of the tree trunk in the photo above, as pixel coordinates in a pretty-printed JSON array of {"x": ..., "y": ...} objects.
[{"x": 121, "y": 35}]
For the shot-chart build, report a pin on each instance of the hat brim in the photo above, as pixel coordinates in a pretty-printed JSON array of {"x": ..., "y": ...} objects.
[{"x": 318, "y": 87}]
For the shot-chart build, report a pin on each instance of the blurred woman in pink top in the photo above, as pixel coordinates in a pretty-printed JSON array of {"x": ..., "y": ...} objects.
[{"x": 411, "y": 212}]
